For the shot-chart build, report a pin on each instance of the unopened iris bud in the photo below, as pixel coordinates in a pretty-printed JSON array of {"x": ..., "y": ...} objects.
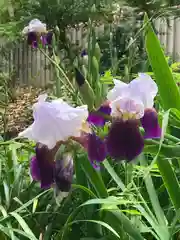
[
  {"x": 63, "y": 173},
  {"x": 85, "y": 89}
]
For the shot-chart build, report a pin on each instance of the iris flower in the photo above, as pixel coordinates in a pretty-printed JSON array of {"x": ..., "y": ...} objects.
[
  {"x": 55, "y": 121},
  {"x": 35, "y": 31},
  {"x": 132, "y": 107}
]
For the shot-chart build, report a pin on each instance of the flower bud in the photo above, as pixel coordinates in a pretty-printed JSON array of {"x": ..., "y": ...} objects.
[{"x": 63, "y": 173}]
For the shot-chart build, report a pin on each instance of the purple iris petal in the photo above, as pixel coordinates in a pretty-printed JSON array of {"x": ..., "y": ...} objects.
[
  {"x": 34, "y": 45},
  {"x": 83, "y": 53},
  {"x": 150, "y": 124},
  {"x": 32, "y": 37},
  {"x": 96, "y": 149},
  {"x": 45, "y": 165},
  {"x": 34, "y": 169},
  {"x": 63, "y": 173},
  {"x": 43, "y": 40},
  {"x": 95, "y": 117},
  {"x": 49, "y": 37},
  {"x": 124, "y": 141}
]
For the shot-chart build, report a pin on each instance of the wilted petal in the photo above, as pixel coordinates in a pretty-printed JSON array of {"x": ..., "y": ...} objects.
[
  {"x": 150, "y": 124},
  {"x": 124, "y": 141},
  {"x": 45, "y": 164},
  {"x": 96, "y": 149},
  {"x": 63, "y": 173},
  {"x": 95, "y": 117},
  {"x": 55, "y": 121},
  {"x": 34, "y": 169}
]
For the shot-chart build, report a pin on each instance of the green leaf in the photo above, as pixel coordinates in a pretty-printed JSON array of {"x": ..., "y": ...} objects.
[
  {"x": 7, "y": 193},
  {"x": 174, "y": 222},
  {"x": 117, "y": 220},
  {"x": 4, "y": 213},
  {"x": 87, "y": 94},
  {"x": 162, "y": 72},
  {"x": 107, "y": 78},
  {"x": 114, "y": 175},
  {"x": 94, "y": 177},
  {"x": 29, "y": 236},
  {"x": 85, "y": 189},
  {"x": 170, "y": 181},
  {"x": 35, "y": 203},
  {"x": 107, "y": 201},
  {"x": 27, "y": 204},
  {"x": 23, "y": 224},
  {"x": 100, "y": 223},
  {"x": 5, "y": 230},
  {"x": 163, "y": 231},
  {"x": 81, "y": 179},
  {"x": 166, "y": 170}
]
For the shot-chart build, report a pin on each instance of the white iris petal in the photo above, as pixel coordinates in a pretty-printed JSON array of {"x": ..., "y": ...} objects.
[
  {"x": 145, "y": 89},
  {"x": 134, "y": 97},
  {"x": 127, "y": 107},
  {"x": 120, "y": 89},
  {"x": 35, "y": 25},
  {"x": 55, "y": 121}
]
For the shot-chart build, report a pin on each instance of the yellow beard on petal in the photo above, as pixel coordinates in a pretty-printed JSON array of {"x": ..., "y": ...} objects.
[
  {"x": 85, "y": 127},
  {"x": 124, "y": 115},
  {"x": 127, "y": 116}
]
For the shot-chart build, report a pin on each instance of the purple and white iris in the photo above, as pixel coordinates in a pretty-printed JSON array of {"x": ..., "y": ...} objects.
[
  {"x": 54, "y": 123},
  {"x": 128, "y": 106},
  {"x": 36, "y": 32},
  {"x": 132, "y": 108}
]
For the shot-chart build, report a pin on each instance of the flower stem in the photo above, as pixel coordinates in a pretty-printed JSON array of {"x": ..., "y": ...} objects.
[
  {"x": 69, "y": 86},
  {"x": 170, "y": 181}
]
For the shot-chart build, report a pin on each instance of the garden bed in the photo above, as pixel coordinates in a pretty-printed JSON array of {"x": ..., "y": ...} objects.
[{"x": 18, "y": 113}]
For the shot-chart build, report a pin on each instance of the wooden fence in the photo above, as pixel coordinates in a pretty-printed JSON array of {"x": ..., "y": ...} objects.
[{"x": 33, "y": 68}]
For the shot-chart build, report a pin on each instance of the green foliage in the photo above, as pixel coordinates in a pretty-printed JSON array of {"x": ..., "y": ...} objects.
[
  {"x": 138, "y": 200},
  {"x": 163, "y": 75}
]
